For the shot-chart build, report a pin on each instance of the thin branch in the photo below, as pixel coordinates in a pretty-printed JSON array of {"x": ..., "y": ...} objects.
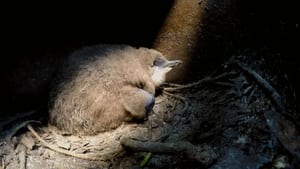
[{"x": 3, "y": 164}]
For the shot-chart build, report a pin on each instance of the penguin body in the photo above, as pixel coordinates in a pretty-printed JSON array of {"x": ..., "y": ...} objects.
[{"x": 100, "y": 87}]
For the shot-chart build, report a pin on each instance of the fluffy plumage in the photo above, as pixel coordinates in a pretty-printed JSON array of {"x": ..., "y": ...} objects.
[{"x": 100, "y": 87}]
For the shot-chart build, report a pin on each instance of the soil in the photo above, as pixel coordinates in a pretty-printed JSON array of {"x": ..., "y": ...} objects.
[{"x": 233, "y": 118}]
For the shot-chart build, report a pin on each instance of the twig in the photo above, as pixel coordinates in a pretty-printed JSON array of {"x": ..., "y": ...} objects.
[
  {"x": 3, "y": 164},
  {"x": 62, "y": 151},
  {"x": 146, "y": 159},
  {"x": 200, "y": 154}
]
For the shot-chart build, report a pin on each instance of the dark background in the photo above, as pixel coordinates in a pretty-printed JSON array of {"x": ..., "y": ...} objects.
[{"x": 34, "y": 36}]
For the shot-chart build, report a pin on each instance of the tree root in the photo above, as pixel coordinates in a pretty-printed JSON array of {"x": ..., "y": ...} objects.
[
  {"x": 11, "y": 132},
  {"x": 185, "y": 103},
  {"x": 204, "y": 155},
  {"x": 176, "y": 87},
  {"x": 283, "y": 128},
  {"x": 63, "y": 151},
  {"x": 275, "y": 96},
  {"x": 9, "y": 120}
]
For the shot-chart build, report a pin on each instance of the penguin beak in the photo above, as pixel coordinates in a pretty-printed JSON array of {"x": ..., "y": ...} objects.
[{"x": 171, "y": 63}]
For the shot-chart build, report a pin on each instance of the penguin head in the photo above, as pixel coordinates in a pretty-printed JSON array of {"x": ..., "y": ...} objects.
[{"x": 160, "y": 67}]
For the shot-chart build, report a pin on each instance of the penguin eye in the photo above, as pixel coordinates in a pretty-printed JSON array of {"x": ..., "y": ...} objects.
[
  {"x": 158, "y": 62},
  {"x": 140, "y": 85}
]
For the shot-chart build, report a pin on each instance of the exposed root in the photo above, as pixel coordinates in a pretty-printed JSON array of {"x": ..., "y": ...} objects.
[
  {"x": 184, "y": 100},
  {"x": 176, "y": 87},
  {"x": 9, "y": 120},
  {"x": 203, "y": 155},
  {"x": 11, "y": 132},
  {"x": 275, "y": 96},
  {"x": 62, "y": 151}
]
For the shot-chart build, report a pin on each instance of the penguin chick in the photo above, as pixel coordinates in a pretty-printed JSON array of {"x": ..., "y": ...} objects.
[{"x": 100, "y": 87}]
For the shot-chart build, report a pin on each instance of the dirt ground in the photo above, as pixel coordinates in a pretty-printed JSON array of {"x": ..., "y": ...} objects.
[{"x": 231, "y": 119}]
